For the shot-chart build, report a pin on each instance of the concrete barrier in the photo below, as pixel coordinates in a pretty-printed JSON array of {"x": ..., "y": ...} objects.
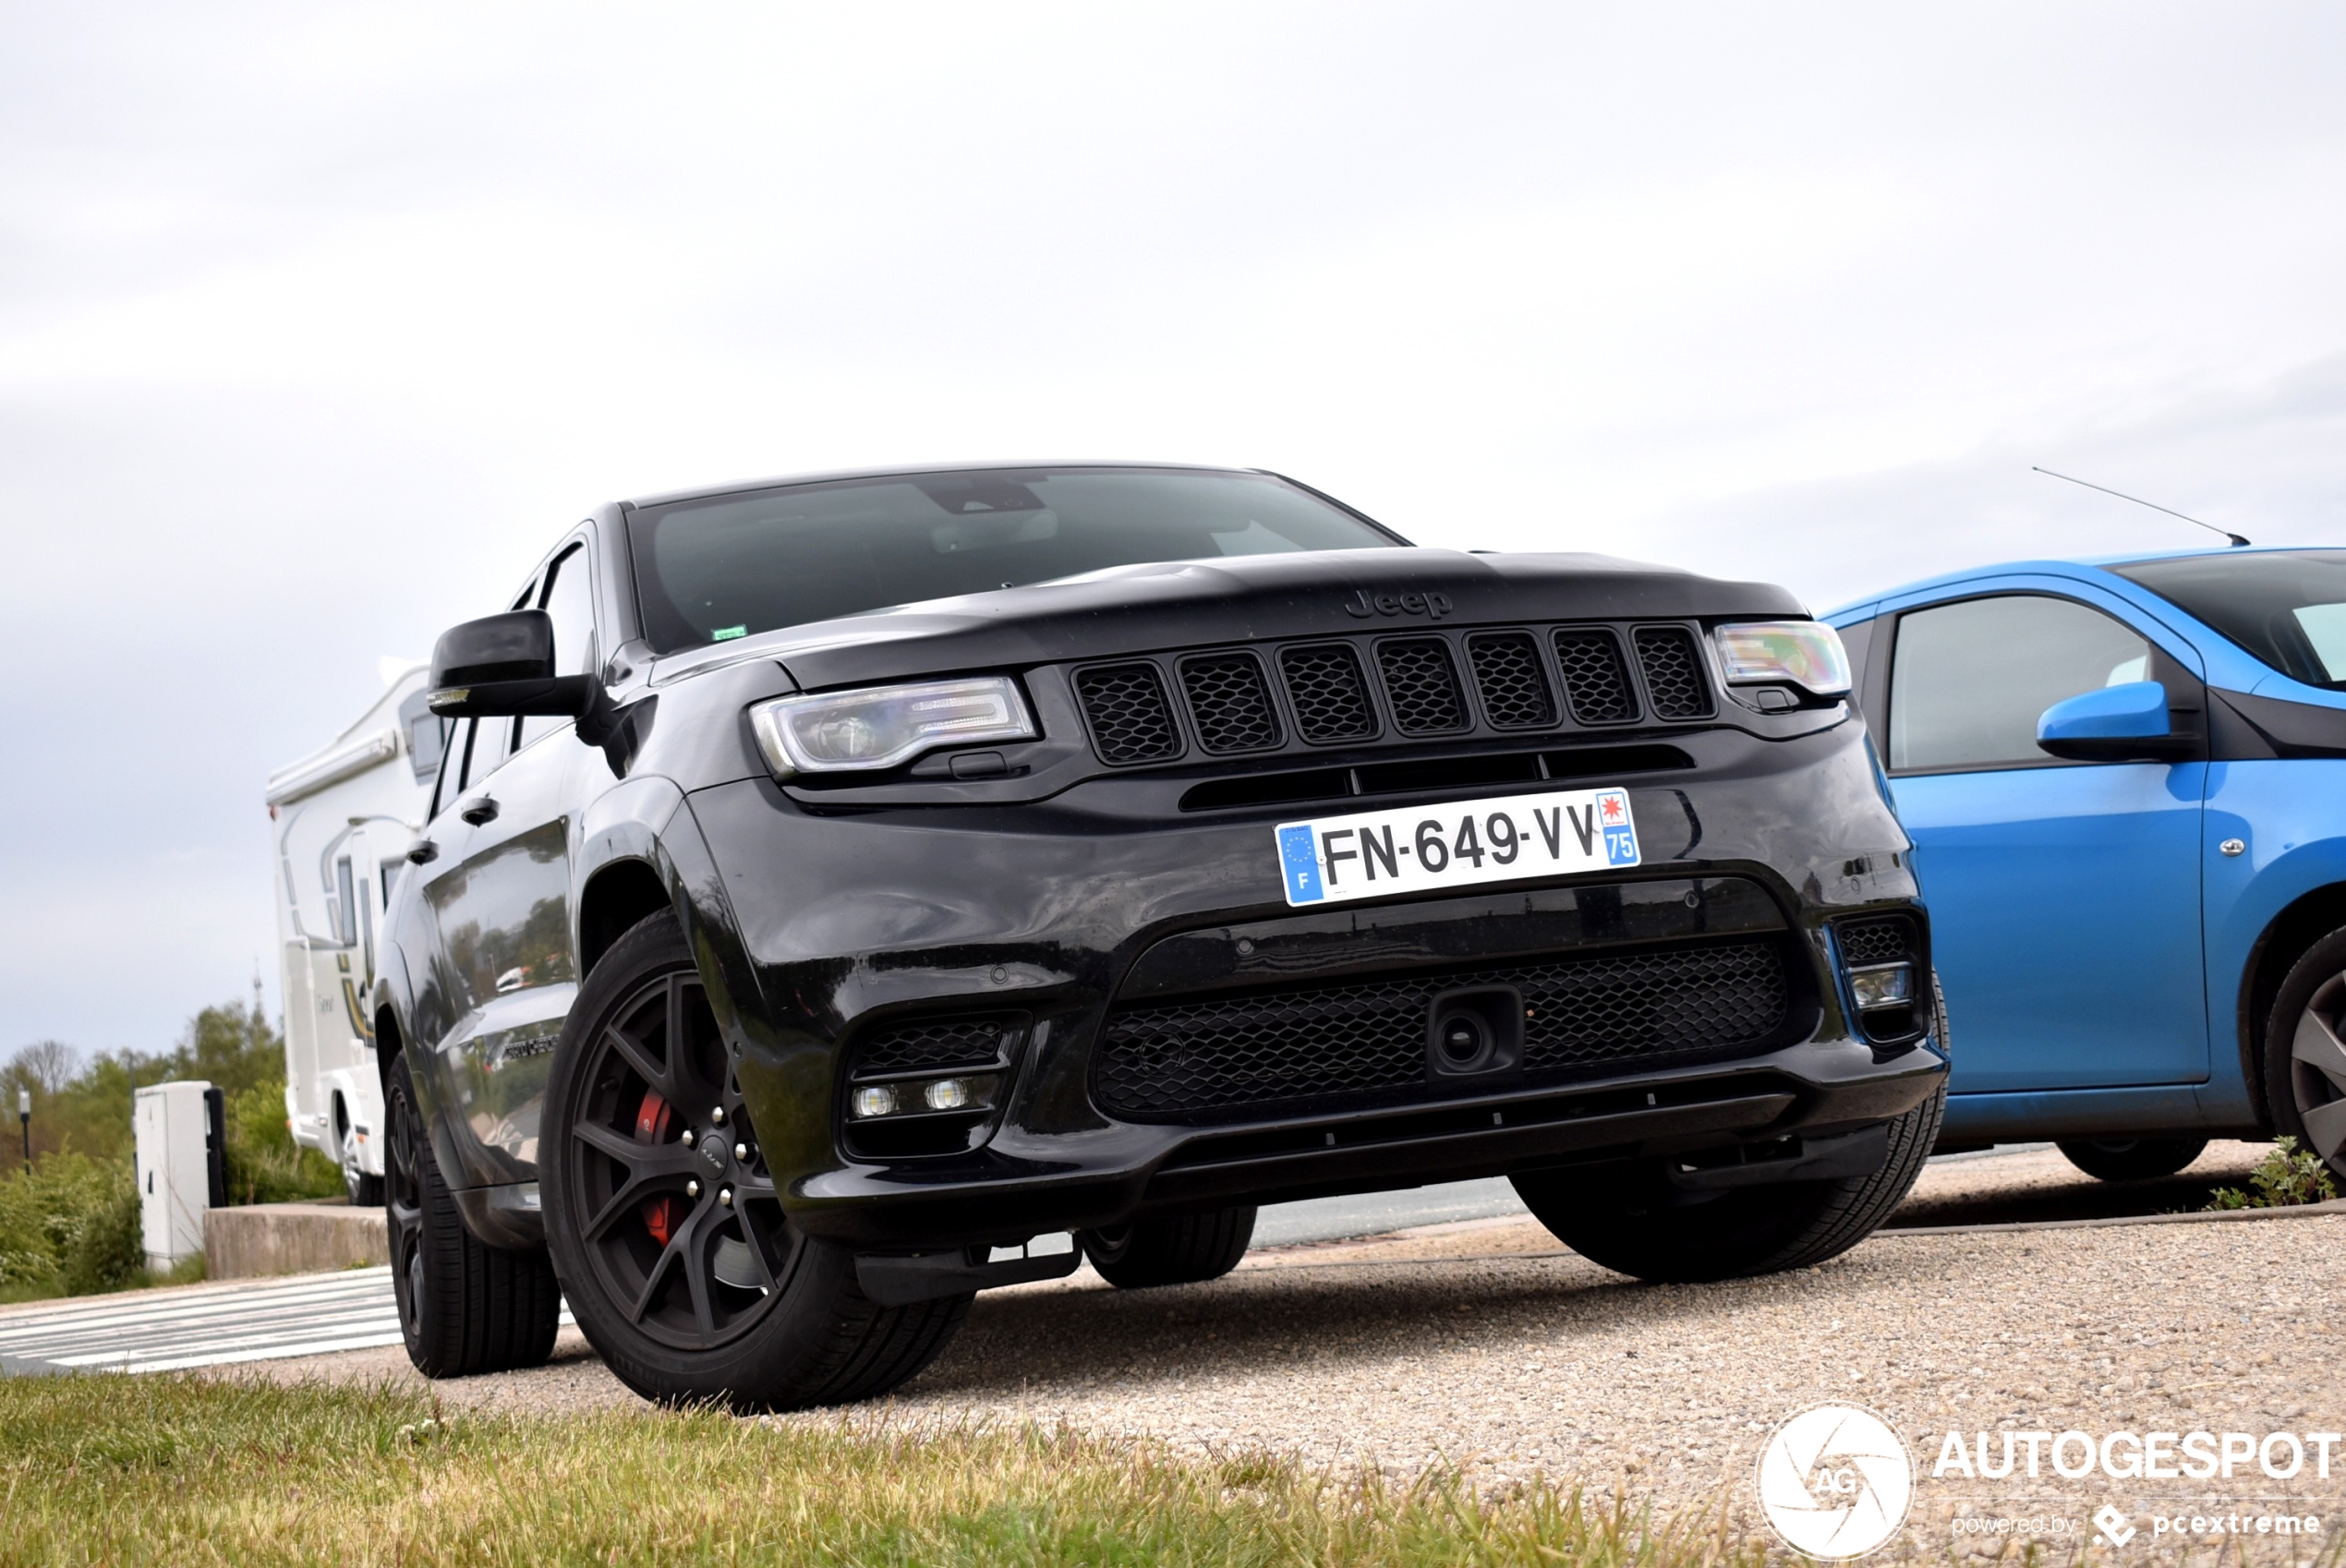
[{"x": 291, "y": 1238}]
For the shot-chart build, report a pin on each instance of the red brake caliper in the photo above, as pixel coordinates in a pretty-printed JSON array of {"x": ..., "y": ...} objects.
[{"x": 660, "y": 1214}]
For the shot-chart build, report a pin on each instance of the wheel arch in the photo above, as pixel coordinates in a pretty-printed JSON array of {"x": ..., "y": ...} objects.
[
  {"x": 389, "y": 1042},
  {"x": 617, "y": 895},
  {"x": 2303, "y": 921}
]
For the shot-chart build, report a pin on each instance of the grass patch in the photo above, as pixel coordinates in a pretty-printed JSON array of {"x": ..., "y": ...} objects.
[
  {"x": 185, "y": 1470},
  {"x": 2284, "y": 1178}
]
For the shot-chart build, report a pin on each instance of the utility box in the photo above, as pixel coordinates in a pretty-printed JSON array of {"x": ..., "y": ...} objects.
[{"x": 181, "y": 1137}]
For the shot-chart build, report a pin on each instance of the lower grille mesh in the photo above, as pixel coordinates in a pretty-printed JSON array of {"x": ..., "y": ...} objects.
[
  {"x": 1880, "y": 941},
  {"x": 935, "y": 1043},
  {"x": 1210, "y": 1057}
]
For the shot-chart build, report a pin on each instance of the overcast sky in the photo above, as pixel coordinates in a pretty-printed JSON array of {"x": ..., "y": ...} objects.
[{"x": 317, "y": 322}]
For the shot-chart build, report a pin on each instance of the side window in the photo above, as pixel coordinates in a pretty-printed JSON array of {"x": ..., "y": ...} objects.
[
  {"x": 494, "y": 739},
  {"x": 453, "y": 780},
  {"x": 569, "y": 601},
  {"x": 1968, "y": 680}
]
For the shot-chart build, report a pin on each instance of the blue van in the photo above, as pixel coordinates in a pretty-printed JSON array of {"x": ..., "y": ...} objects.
[{"x": 2125, "y": 781}]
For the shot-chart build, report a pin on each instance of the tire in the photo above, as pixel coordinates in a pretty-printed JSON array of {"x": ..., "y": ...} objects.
[
  {"x": 1637, "y": 1225},
  {"x": 464, "y": 1307},
  {"x": 365, "y": 1192},
  {"x": 666, "y": 1228},
  {"x": 2132, "y": 1159},
  {"x": 1177, "y": 1250},
  {"x": 2306, "y": 1052}
]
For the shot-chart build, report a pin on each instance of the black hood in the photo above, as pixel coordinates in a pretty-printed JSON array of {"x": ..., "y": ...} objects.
[{"x": 1158, "y": 606}]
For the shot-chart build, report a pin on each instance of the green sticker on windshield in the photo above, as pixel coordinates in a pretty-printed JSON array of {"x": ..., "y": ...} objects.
[{"x": 724, "y": 633}]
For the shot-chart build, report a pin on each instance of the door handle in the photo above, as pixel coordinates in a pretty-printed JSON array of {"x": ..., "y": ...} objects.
[
  {"x": 422, "y": 852},
  {"x": 479, "y": 809}
]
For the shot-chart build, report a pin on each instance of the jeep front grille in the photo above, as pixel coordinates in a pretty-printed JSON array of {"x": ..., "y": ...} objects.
[
  {"x": 1125, "y": 706},
  {"x": 1421, "y": 686},
  {"x": 1508, "y": 679},
  {"x": 1216, "y": 1057},
  {"x": 1595, "y": 680},
  {"x": 1673, "y": 672},
  {"x": 1418, "y": 686},
  {"x": 1230, "y": 704},
  {"x": 1327, "y": 694}
]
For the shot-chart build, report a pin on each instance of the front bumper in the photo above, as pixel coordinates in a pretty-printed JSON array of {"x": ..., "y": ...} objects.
[
  {"x": 1813, "y": 1091},
  {"x": 822, "y": 928}
]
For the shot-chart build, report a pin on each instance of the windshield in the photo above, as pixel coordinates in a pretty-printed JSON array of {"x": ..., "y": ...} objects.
[
  {"x": 2286, "y": 607},
  {"x": 729, "y": 566}
]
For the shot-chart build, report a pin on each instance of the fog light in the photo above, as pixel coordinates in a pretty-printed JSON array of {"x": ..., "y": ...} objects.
[
  {"x": 947, "y": 1094},
  {"x": 878, "y": 1100},
  {"x": 1882, "y": 985}
]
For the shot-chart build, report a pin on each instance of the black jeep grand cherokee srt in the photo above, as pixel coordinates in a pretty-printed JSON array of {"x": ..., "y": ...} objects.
[{"x": 845, "y": 894}]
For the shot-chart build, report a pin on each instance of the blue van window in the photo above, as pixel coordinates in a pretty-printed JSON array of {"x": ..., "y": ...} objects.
[{"x": 1968, "y": 679}]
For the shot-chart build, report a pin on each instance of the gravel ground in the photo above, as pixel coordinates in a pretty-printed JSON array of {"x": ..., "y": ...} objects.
[{"x": 1485, "y": 1346}]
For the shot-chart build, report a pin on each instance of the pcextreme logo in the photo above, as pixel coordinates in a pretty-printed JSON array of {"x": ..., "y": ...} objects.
[{"x": 1835, "y": 1481}]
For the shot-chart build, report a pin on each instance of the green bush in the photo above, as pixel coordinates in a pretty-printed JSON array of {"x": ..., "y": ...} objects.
[
  {"x": 2284, "y": 1178},
  {"x": 265, "y": 1166},
  {"x": 70, "y": 1227}
]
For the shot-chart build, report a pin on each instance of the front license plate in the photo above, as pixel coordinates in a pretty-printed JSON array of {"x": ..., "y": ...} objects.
[{"x": 1420, "y": 848}]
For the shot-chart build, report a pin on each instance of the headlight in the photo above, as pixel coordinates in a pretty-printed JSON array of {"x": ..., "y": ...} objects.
[
  {"x": 1806, "y": 653},
  {"x": 882, "y": 725}
]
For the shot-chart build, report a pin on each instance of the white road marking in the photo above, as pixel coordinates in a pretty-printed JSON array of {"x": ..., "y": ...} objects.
[{"x": 213, "y": 1325}]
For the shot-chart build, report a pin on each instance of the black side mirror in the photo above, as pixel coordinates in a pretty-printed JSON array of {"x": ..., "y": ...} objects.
[{"x": 503, "y": 665}]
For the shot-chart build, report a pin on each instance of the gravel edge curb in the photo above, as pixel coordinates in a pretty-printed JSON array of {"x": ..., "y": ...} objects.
[{"x": 2293, "y": 1211}]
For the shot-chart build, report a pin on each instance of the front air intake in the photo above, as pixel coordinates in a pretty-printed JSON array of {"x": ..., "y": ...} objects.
[
  {"x": 1325, "y": 1045},
  {"x": 1673, "y": 672},
  {"x": 1508, "y": 679},
  {"x": 1596, "y": 681},
  {"x": 1421, "y": 686},
  {"x": 1125, "y": 707},
  {"x": 1324, "y": 690},
  {"x": 1229, "y": 703}
]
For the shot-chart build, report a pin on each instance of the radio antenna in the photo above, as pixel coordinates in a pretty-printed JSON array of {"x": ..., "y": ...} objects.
[{"x": 2138, "y": 501}]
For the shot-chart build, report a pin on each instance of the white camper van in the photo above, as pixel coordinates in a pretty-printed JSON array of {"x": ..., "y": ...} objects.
[{"x": 343, "y": 818}]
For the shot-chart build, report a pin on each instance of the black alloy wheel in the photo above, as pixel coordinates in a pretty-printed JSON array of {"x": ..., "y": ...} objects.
[
  {"x": 679, "y": 1261},
  {"x": 464, "y": 1307},
  {"x": 677, "y": 1215},
  {"x": 404, "y": 1202},
  {"x": 2306, "y": 1052}
]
